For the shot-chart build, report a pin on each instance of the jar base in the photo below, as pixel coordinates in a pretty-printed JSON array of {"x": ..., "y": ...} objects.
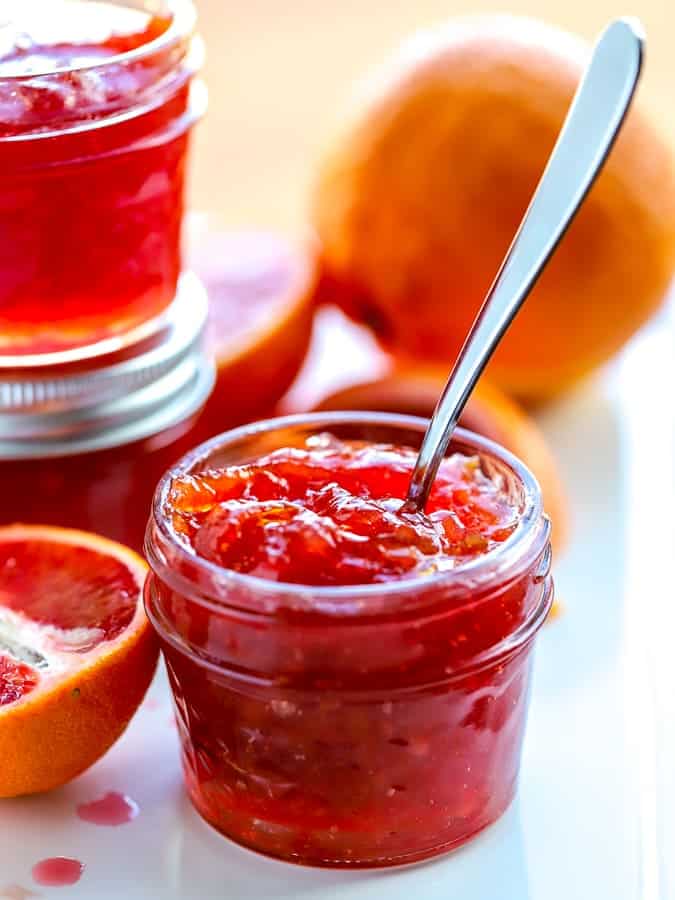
[{"x": 261, "y": 837}]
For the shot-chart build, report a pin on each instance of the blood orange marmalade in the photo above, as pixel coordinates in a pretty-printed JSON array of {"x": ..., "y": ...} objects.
[
  {"x": 95, "y": 111},
  {"x": 350, "y": 680},
  {"x": 330, "y": 514}
]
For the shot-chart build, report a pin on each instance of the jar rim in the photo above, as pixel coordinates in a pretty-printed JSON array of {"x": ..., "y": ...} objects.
[
  {"x": 520, "y": 549},
  {"x": 183, "y": 22}
]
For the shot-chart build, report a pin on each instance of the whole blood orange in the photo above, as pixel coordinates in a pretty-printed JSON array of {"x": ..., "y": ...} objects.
[
  {"x": 261, "y": 301},
  {"x": 76, "y": 652},
  {"x": 489, "y": 412},
  {"x": 417, "y": 204}
]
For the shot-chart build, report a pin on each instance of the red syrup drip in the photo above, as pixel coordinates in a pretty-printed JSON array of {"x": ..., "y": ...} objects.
[
  {"x": 112, "y": 809},
  {"x": 58, "y": 871}
]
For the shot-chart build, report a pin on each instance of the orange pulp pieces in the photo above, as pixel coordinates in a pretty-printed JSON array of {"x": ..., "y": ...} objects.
[
  {"x": 414, "y": 390},
  {"x": 261, "y": 310},
  {"x": 330, "y": 513}
]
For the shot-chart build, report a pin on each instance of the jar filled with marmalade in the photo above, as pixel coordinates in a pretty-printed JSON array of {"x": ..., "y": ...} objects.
[
  {"x": 351, "y": 680},
  {"x": 97, "y": 102}
]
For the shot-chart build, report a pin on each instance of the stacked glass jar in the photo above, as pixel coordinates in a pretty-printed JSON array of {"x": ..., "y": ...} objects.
[{"x": 102, "y": 372}]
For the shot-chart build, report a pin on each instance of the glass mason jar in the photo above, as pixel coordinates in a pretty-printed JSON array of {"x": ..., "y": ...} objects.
[
  {"x": 351, "y": 726},
  {"x": 84, "y": 439},
  {"x": 93, "y": 147}
]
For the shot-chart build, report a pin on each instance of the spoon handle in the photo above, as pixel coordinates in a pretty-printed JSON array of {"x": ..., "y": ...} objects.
[{"x": 587, "y": 135}]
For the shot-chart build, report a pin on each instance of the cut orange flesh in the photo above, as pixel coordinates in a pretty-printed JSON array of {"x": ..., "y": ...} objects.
[
  {"x": 76, "y": 652},
  {"x": 261, "y": 308}
]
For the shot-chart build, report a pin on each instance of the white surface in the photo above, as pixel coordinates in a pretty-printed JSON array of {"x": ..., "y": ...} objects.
[{"x": 592, "y": 816}]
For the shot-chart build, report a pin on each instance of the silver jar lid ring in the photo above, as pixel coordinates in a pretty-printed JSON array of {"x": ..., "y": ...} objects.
[{"x": 111, "y": 398}]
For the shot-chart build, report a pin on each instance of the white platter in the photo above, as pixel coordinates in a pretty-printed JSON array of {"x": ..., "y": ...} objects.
[{"x": 594, "y": 813}]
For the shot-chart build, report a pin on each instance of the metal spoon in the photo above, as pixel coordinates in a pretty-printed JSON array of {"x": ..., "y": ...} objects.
[{"x": 588, "y": 133}]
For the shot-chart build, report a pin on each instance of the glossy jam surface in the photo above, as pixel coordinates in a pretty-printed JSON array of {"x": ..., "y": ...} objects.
[
  {"x": 92, "y": 160},
  {"x": 63, "y": 39},
  {"x": 331, "y": 513},
  {"x": 350, "y": 728}
]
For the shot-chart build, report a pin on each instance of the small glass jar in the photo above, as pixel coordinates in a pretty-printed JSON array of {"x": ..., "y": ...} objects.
[
  {"x": 92, "y": 171},
  {"x": 351, "y": 726},
  {"x": 85, "y": 438}
]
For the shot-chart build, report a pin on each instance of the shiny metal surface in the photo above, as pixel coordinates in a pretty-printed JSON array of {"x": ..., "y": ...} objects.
[
  {"x": 587, "y": 135},
  {"x": 122, "y": 397}
]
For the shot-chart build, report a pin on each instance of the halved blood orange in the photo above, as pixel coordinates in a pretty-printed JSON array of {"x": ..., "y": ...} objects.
[
  {"x": 76, "y": 652},
  {"x": 261, "y": 289}
]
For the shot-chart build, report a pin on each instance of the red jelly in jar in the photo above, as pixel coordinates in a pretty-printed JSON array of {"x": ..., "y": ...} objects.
[
  {"x": 351, "y": 682},
  {"x": 96, "y": 106},
  {"x": 84, "y": 439}
]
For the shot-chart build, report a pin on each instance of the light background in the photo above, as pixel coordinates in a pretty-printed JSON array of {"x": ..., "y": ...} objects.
[{"x": 279, "y": 69}]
